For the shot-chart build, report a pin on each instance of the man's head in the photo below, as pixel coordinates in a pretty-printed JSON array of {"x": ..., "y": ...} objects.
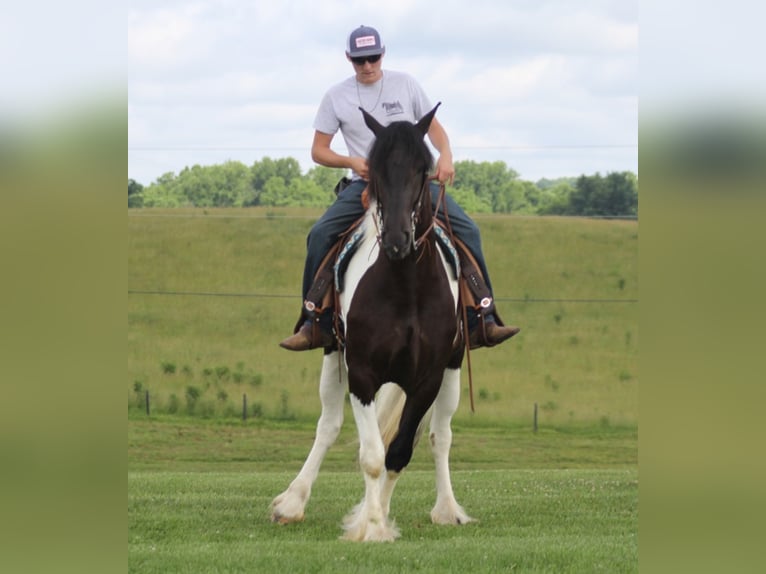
[{"x": 364, "y": 50}]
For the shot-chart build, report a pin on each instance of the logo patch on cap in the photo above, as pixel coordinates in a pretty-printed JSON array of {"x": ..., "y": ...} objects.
[{"x": 364, "y": 41}]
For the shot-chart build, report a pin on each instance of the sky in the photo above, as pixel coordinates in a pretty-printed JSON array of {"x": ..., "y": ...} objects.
[{"x": 550, "y": 87}]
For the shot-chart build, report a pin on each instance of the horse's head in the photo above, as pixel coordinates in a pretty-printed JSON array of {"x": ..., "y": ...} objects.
[{"x": 399, "y": 162}]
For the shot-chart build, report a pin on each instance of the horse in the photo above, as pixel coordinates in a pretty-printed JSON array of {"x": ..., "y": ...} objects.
[{"x": 403, "y": 346}]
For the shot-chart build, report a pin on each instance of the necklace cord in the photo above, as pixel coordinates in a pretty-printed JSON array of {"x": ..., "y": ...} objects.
[{"x": 380, "y": 93}]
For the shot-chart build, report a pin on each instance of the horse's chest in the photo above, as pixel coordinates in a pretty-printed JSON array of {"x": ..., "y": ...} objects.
[{"x": 395, "y": 311}]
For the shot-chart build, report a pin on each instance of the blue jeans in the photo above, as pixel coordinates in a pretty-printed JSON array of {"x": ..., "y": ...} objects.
[{"x": 347, "y": 208}]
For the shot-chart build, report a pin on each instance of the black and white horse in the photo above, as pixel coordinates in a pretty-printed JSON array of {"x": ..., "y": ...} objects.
[{"x": 399, "y": 309}]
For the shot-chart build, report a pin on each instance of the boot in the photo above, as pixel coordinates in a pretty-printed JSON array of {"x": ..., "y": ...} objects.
[
  {"x": 488, "y": 333},
  {"x": 309, "y": 336}
]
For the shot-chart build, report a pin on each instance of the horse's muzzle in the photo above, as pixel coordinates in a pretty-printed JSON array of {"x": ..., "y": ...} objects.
[{"x": 398, "y": 249}]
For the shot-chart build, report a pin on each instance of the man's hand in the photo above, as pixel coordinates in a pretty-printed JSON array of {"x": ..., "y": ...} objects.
[
  {"x": 359, "y": 165},
  {"x": 445, "y": 171}
]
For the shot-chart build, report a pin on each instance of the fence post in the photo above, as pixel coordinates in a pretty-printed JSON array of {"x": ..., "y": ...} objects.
[
  {"x": 147, "y": 403},
  {"x": 244, "y": 407},
  {"x": 535, "y": 419}
]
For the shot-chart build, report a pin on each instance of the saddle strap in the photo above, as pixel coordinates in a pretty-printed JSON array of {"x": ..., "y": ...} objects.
[
  {"x": 480, "y": 297},
  {"x": 318, "y": 297},
  {"x": 321, "y": 295}
]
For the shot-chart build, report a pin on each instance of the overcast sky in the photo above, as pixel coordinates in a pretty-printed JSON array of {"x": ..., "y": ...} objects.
[{"x": 548, "y": 86}]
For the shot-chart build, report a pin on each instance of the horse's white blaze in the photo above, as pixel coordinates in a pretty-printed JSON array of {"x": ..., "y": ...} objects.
[{"x": 290, "y": 505}]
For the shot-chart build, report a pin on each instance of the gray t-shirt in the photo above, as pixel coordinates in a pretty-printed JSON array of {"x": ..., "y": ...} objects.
[{"x": 395, "y": 97}]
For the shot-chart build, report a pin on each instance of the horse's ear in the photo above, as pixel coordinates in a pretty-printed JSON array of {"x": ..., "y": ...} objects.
[
  {"x": 425, "y": 122},
  {"x": 371, "y": 122}
]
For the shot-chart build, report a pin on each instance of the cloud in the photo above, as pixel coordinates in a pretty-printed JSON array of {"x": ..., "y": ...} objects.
[
  {"x": 232, "y": 72},
  {"x": 164, "y": 38}
]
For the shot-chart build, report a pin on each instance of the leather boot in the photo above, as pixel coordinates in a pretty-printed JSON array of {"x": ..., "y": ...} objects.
[
  {"x": 489, "y": 334},
  {"x": 309, "y": 336}
]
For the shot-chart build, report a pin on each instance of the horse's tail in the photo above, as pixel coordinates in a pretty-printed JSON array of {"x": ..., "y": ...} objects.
[{"x": 389, "y": 404}]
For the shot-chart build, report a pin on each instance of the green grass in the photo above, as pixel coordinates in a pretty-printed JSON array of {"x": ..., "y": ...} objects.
[
  {"x": 561, "y": 500},
  {"x": 168, "y": 443},
  {"x": 543, "y": 521},
  {"x": 200, "y": 481},
  {"x": 577, "y": 360}
]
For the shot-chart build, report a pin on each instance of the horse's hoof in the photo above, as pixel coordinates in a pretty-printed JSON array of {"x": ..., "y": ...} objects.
[{"x": 277, "y": 518}]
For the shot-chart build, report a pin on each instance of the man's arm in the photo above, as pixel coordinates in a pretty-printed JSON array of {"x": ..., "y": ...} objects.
[
  {"x": 322, "y": 153},
  {"x": 445, "y": 171}
]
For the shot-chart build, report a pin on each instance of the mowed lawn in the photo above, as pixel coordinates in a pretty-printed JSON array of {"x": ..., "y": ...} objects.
[{"x": 555, "y": 501}]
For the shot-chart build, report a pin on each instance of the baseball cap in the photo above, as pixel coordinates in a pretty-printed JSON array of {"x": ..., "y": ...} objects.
[{"x": 364, "y": 41}]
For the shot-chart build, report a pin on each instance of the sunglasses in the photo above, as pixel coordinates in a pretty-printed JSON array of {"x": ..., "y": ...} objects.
[{"x": 360, "y": 60}]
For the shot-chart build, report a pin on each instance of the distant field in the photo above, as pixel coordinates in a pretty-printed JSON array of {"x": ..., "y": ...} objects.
[{"x": 212, "y": 292}]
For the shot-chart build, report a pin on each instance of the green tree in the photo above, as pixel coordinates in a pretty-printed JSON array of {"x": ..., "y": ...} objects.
[
  {"x": 494, "y": 183},
  {"x": 466, "y": 198},
  {"x": 623, "y": 193},
  {"x": 555, "y": 200},
  {"x": 485, "y": 187},
  {"x": 326, "y": 177},
  {"x": 307, "y": 193},
  {"x": 135, "y": 199},
  {"x": 615, "y": 194},
  {"x": 163, "y": 192},
  {"x": 262, "y": 171},
  {"x": 232, "y": 185},
  {"x": 274, "y": 192}
]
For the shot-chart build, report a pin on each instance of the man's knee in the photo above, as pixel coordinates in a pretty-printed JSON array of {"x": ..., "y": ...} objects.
[{"x": 470, "y": 232}]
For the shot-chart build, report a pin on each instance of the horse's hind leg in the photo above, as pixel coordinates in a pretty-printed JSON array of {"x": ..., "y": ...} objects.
[
  {"x": 446, "y": 510},
  {"x": 289, "y": 506}
]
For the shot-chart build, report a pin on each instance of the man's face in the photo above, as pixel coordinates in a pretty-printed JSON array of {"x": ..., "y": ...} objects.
[{"x": 367, "y": 68}]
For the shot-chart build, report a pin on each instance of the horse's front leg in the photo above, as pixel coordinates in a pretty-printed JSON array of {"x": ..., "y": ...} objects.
[
  {"x": 289, "y": 506},
  {"x": 368, "y": 521},
  {"x": 446, "y": 510}
]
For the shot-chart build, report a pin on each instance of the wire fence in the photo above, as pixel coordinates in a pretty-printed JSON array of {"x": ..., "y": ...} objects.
[{"x": 284, "y": 296}]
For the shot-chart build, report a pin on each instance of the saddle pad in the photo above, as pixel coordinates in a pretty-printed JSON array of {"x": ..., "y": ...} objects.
[
  {"x": 443, "y": 240},
  {"x": 450, "y": 253},
  {"x": 345, "y": 256}
]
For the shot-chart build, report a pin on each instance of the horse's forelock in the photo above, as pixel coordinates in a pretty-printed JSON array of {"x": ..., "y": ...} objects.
[{"x": 402, "y": 142}]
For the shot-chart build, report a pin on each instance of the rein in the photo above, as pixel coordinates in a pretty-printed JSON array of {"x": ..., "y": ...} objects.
[
  {"x": 462, "y": 312},
  {"x": 442, "y": 190}
]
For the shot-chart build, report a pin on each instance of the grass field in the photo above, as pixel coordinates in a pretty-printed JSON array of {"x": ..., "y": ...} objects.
[
  {"x": 544, "y": 521},
  {"x": 570, "y": 283},
  {"x": 555, "y": 501},
  {"x": 212, "y": 292}
]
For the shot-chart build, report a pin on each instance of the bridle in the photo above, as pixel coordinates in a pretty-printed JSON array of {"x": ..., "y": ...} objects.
[{"x": 415, "y": 214}]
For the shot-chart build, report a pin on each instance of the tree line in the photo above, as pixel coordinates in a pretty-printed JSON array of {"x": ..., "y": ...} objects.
[{"x": 479, "y": 187}]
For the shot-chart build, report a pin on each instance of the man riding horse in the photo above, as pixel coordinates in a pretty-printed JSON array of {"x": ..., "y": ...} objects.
[{"x": 387, "y": 96}]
